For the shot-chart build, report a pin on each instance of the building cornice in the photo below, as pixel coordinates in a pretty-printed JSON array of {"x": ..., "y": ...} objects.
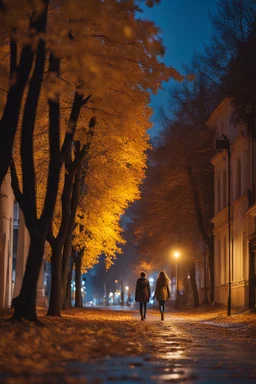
[
  {"x": 221, "y": 218},
  {"x": 218, "y": 158},
  {"x": 239, "y": 140},
  {"x": 217, "y": 111},
  {"x": 252, "y": 210},
  {"x": 244, "y": 196}
]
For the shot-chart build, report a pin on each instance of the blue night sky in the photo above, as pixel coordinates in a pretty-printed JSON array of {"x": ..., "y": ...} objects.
[{"x": 185, "y": 26}]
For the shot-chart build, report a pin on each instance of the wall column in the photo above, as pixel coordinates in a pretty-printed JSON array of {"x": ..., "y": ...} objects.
[
  {"x": 22, "y": 253},
  {"x": 6, "y": 242}
]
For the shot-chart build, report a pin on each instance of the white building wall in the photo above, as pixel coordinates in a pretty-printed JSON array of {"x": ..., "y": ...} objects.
[
  {"x": 6, "y": 243},
  {"x": 221, "y": 122},
  {"x": 10, "y": 283},
  {"x": 22, "y": 253}
]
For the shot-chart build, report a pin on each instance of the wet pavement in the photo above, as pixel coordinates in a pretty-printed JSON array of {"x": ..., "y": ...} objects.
[{"x": 179, "y": 353}]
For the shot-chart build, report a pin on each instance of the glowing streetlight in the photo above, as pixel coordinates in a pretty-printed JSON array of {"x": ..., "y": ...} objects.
[
  {"x": 177, "y": 255},
  {"x": 127, "y": 288}
]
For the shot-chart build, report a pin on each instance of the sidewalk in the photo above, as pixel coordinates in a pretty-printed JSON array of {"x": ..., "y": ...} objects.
[{"x": 102, "y": 346}]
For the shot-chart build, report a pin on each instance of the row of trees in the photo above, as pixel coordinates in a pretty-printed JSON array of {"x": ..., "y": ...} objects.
[
  {"x": 75, "y": 84},
  {"x": 177, "y": 200}
]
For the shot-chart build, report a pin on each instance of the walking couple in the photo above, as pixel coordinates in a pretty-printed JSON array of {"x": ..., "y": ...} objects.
[{"x": 162, "y": 293}]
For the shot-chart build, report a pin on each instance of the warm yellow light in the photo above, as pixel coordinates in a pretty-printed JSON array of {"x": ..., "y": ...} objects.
[
  {"x": 116, "y": 281},
  {"x": 176, "y": 254},
  {"x": 127, "y": 288}
]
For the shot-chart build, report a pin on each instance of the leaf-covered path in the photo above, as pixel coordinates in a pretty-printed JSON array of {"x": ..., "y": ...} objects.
[{"x": 105, "y": 346}]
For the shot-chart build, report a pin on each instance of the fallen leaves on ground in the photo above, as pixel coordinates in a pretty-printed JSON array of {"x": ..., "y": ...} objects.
[
  {"x": 78, "y": 335},
  {"x": 241, "y": 324},
  {"x": 88, "y": 334}
]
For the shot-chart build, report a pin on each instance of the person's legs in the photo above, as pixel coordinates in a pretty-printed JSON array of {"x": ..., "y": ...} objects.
[
  {"x": 141, "y": 310},
  {"x": 145, "y": 310},
  {"x": 163, "y": 306}
]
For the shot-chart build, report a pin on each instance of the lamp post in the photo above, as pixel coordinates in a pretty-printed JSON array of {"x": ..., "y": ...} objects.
[
  {"x": 224, "y": 143},
  {"x": 176, "y": 255},
  {"x": 122, "y": 291},
  {"x": 127, "y": 288}
]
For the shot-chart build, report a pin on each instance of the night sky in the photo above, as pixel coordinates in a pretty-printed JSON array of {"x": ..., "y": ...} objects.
[{"x": 185, "y": 26}]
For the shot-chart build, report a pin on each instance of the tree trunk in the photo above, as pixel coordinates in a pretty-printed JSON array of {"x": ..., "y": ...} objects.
[
  {"x": 192, "y": 272},
  {"x": 78, "y": 297},
  {"x": 207, "y": 238},
  {"x": 25, "y": 304},
  {"x": 66, "y": 262},
  {"x": 54, "y": 304},
  {"x": 67, "y": 301},
  {"x": 69, "y": 234},
  {"x": 11, "y": 112}
]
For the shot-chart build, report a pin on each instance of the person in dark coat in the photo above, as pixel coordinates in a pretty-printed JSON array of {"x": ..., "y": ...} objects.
[
  {"x": 162, "y": 292},
  {"x": 142, "y": 294}
]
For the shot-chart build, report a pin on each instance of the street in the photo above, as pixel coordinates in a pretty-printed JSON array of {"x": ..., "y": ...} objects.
[{"x": 120, "y": 348}]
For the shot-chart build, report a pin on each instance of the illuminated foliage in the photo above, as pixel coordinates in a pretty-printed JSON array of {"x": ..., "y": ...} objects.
[{"x": 89, "y": 59}]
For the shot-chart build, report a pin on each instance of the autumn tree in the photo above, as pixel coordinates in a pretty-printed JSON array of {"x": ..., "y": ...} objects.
[
  {"x": 240, "y": 80},
  {"x": 232, "y": 24},
  {"x": 22, "y": 25},
  {"x": 83, "y": 56},
  {"x": 177, "y": 200},
  {"x": 109, "y": 180}
]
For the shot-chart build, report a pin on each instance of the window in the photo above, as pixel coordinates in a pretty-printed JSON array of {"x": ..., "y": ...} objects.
[
  {"x": 231, "y": 185},
  {"x": 15, "y": 214},
  {"x": 244, "y": 257},
  {"x": 219, "y": 266},
  {"x": 225, "y": 260},
  {"x": 218, "y": 195},
  {"x": 224, "y": 190},
  {"x": 238, "y": 177},
  {"x": 254, "y": 263}
]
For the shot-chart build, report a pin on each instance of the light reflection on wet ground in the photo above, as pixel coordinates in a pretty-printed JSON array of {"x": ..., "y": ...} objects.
[
  {"x": 177, "y": 353},
  {"x": 180, "y": 354}
]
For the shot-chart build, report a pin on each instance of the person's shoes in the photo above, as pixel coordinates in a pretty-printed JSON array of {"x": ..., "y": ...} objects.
[
  {"x": 142, "y": 318},
  {"x": 162, "y": 316}
]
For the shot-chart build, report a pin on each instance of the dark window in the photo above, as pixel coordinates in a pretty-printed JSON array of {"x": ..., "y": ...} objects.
[
  {"x": 238, "y": 177},
  {"x": 254, "y": 263},
  {"x": 225, "y": 261},
  {"x": 224, "y": 180},
  {"x": 218, "y": 195}
]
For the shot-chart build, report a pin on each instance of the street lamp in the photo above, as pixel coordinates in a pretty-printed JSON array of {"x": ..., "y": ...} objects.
[
  {"x": 122, "y": 291},
  {"x": 224, "y": 143},
  {"x": 177, "y": 255},
  {"x": 127, "y": 288}
]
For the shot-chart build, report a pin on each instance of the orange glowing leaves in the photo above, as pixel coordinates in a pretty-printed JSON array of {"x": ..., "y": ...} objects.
[{"x": 109, "y": 54}]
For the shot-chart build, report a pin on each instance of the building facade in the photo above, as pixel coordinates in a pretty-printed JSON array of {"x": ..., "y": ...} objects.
[
  {"x": 239, "y": 269},
  {"x": 14, "y": 246},
  {"x": 6, "y": 243}
]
